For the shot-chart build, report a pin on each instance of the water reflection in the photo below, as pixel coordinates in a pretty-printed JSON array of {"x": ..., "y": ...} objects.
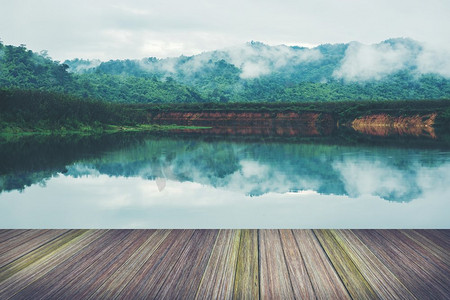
[
  {"x": 172, "y": 182},
  {"x": 255, "y": 169}
]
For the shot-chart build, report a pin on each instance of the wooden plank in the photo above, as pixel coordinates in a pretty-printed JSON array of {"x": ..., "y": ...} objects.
[
  {"x": 274, "y": 276},
  {"x": 6, "y": 235},
  {"x": 432, "y": 252},
  {"x": 14, "y": 240},
  {"x": 114, "y": 285},
  {"x": 64, "y": 274},
  {"x": 25, "y": 243},
  {"x": 136, "y": 264},
  {"x": 88, "y": 281},
  {"x": 218, "y": 279},
  {"x": 385, "y": 284},
  {"x": 33, "y": 256},
  {"x": 354, "y": 281},
  {"x": 185, "y": 277},
  {"x": 324, "y": 279},
  {"x": 301, "y": 284},
  {"x": 26, "y": 276},
  {"x": 418, "y": 275},
  {"x": 436, "y": 236},
  {"x": 151, "y": 277},
  {"x": 246, "y": 283}
]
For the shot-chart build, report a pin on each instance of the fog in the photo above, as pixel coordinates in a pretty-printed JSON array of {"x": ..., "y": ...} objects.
[{"x": 377, "y": 61}]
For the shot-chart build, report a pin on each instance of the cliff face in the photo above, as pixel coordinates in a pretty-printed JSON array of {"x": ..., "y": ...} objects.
[
  {"x": 385, "y": 125},
  {"x": 295, "y": 124},
  {"x": 253, "y": 123}
]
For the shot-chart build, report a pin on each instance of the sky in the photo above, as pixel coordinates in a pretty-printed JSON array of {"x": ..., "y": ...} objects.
[{"x": 110, "y": 29}]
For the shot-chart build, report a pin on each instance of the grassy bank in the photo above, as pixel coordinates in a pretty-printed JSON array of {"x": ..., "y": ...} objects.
[
  {"x": 14, "y": 132},
  {"x": 36, "y": 112},
  {"x": 24, "y": 113}
]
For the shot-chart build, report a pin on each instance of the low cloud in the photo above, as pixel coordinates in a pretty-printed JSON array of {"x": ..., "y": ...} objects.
[
  {"x": 252, "y": 59},
  {"x": 252, "y": 70},
  {"x": 83, "y": 65},
  {"x": 257, "y": 59},
  {"x": 435, "y": 61},
  {"x": 369, "y": 62},
  {"x": 377, "y": 61}
]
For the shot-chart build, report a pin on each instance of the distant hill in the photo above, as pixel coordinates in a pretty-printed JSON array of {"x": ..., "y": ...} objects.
[{"x": 393, "y": 69}]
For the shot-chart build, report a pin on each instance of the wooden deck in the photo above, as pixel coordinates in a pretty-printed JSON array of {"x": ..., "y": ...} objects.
[{"x": 224, "y": 264}]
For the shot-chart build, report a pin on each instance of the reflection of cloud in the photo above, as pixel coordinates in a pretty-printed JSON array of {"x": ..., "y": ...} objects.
[
  {"x": 256, "y": 178},
  {"x": 435, "y": 180},
  {"x": 250, "y": 170},
  {"x": 83, "y": 170},
  {"x": 378, "y": 179},
  {"x": 132, "y": 202}
]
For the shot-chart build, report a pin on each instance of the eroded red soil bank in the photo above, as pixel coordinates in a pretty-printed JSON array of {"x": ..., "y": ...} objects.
[
  {"x": 296, "y": 124},
  {"x": 253, "y": 123}
]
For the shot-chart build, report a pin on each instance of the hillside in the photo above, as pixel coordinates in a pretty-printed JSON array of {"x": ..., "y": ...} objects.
[{"x": 391, "y": 70}]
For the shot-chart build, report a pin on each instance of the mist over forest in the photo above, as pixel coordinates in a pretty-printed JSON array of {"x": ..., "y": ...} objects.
[{"x": 254, "y": 72}]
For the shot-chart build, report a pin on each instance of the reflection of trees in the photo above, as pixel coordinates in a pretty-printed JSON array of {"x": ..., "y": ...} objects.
[
  {"x": 35, "y": 159},
  {"x": 280, "y": 167}
]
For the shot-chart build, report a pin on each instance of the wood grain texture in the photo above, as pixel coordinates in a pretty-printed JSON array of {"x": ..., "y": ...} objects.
[
  {"x": 354, "y": 281},
  {"x": 275, "y": 282},
  {"x": 385, "y": 284},
  {"x": 439, "y": 237},
  {"x": 324, "y": 279},
  {"x": 26, "y": 244},
  {"x": 246, "y": 283},
  {"x": 7, "y": 235},
  {"x": 435, "y": 254},
  {"x": 94, "y": 275},
  {"x": 26, "y": 276},
  {"x": 151, "y": 277},
  {"x": 44, "y": 249},
  {"x": 184, "y": 279},
  {"x": 70, "y": 270},
  {"x": 412, "y": 268},
  {"x": 301, "y": 284},
  {"x": 218, "y": 279},
  {"x": 224, "y": 264},
  {"x": 114, "y": 284}
]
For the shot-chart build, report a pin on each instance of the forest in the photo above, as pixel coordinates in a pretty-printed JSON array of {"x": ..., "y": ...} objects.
[
  {"x": 38, "y": 93},
  {"x": 199, "y": 79}
]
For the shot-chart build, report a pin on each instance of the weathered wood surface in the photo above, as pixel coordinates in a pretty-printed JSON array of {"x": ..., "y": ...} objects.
[{"x": 224, "y": 264}]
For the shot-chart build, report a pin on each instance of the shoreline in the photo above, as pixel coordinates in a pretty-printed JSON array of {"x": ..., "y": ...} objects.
[{"x": 17, "y": 132}]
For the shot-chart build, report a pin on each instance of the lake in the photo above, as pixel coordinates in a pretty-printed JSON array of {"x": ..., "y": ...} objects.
[{"x": 195, "y": 181}]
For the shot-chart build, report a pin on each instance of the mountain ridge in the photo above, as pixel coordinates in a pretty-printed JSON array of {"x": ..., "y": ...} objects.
[{"x": 255, "y": 72}]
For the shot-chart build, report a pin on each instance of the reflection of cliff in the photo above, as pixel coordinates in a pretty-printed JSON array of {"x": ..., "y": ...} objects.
[
  {"x": 385, "y": 125},
  {"x": 253, "y": 123}
]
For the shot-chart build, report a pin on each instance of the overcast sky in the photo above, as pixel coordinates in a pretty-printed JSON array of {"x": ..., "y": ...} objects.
[{"x": 109, "y": 29}]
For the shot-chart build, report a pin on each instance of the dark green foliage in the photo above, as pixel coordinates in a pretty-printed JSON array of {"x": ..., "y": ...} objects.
[
  {"x": 214, "y": 80},
  {"x": 22, "y": 69},
  {"x": 53, "y": 111},
  {"x": 129, "y": 89}
]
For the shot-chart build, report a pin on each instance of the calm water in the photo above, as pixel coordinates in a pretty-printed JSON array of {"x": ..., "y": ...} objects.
[{"x": 168, "y": 182}]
